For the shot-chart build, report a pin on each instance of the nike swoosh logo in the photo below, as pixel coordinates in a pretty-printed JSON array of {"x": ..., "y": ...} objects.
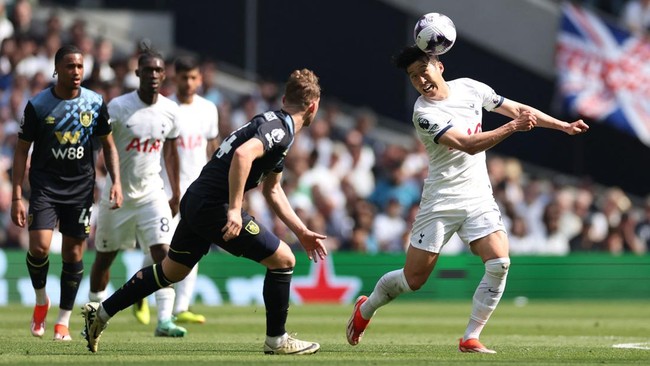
[{"x": 494, "y": 292}]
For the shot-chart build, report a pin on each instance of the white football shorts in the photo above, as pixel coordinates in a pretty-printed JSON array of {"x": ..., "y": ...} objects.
[
  {"x": 146, "y": 223},
  {"x": 433, "y": 228}
]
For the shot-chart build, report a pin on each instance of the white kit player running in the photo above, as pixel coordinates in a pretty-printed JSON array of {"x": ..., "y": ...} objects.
[
  {"x": 196, "y": 142},
  {"x": 145, "y": 128},
  {"x": 457, "y": 196}
]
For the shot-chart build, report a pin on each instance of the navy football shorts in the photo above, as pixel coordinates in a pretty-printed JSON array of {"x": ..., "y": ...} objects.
[{"x": 200, "y": 227}]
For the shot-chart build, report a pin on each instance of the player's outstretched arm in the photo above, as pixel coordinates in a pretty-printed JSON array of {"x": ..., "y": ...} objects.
[
  {"x": 478, "y": 142},
  {"x": 278, "y": 201},
  {"x": 512, "y": 109}
]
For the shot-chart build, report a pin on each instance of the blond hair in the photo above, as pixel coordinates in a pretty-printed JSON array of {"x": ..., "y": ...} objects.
[{"x": 301, "y": 89}]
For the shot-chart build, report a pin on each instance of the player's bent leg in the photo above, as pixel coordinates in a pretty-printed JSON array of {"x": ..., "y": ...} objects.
[
  {"x": 418, "y": 266},
  {"x": 493, "y": 251}
]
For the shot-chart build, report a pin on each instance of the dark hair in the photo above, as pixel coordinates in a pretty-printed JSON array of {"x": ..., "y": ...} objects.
[
  {"x": 302, "y": 88},
  {"x": 66, "y": 50},
  {"x": 411, "y": 54},
  {"x": 186, "y": 63},
  {"x": 147, "y": 52}
]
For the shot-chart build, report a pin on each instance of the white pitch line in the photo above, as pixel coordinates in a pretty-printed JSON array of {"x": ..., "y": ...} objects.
[{"x": 645, "y": 345}]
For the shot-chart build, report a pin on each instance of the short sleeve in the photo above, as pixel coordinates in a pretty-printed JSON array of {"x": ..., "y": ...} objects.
[
  {"x": 28, "y": 124},
  {"x": 213, "y": 123},
  {"x": 434, "y": 125},
  {"x": 490, "y": 98},
  {"x": 273, "y": 133},
  {"x": 103, "y": 121}
]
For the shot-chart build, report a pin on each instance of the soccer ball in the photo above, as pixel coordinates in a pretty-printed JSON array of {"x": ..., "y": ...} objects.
[{"x": 434, "y": 33}]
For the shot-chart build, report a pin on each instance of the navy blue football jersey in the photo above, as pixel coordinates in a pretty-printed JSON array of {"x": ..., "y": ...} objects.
[
  {"x": 64, "y": 136},
  {"x": 276, "y": 131}
]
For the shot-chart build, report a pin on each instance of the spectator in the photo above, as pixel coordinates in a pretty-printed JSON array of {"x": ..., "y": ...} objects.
[
  {"x": 521, "y": 242},
  {"x": 22, "y": 17},
  {"x": 554, "y": 242},
  {"x": 643, "y": 227},
  {"x": 355, "y": 163},
  {"x": 636, "y": 16},
  {"x": 209, "y": 90},
  {"x": 6, "y": 27},
  {"x": 389, "y": 228},
  {"x": 630, "y": 241},
  {"x": 584, "y": 241}
]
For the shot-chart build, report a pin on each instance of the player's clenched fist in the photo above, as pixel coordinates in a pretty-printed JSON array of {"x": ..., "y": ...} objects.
[{"x": 526, "y": 121}]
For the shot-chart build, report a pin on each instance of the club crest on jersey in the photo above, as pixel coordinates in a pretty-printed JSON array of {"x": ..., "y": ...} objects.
[
  {"x": 423, "y": 122},
  {"x": 274, "y": 137},
  {"x": 86, "y": 118},
  {"x": 252, "y": 228},
  {"x": 270, "y": 116}
]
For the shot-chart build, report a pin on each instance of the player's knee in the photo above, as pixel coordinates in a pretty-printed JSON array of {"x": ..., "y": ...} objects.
[
  {"x": 174, "y": 271},
  {"x": 497, "y": 267},
  {"x": 39, "y": 251},
  {"x": 158, "y": 252},
  {"x": 282, "y": 258},
  {"x": 416, "y": 282}
]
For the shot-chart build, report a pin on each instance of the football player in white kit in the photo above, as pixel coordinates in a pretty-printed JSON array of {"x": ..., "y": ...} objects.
[
  {"x": 197, "y": 141},
  {"x": 145, "y": 127},
  {"x": 457, "y": 196}
]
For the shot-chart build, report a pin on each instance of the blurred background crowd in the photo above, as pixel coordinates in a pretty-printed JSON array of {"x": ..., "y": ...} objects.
[{"x": 345, "y": 178}]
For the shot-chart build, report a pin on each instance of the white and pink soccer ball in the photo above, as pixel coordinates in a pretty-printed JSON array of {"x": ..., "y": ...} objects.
[{"x": 434, "y": 33}]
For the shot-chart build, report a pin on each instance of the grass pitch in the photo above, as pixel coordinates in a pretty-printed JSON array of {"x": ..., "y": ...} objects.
[{"x": 402, "y": 333}]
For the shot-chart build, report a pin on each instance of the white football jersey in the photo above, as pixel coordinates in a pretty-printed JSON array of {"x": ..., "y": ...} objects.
[
  {"x": 453, "y": 173},
  {"x": 198, "y": 124},
  {"x": 139, "y": 131}
]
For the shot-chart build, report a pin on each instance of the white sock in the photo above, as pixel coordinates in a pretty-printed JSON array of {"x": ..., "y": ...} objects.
[
  {"x": 41, "y": 296},
  {"x": 102, "y": 314},
  {"x": 389, "y": 286},
  {"x": 64, "y": 317},
  {"x": 487, "y": 295},
  {"x": 165, "y": 302},
  {"x": 98, "y": 296},
  {"x": 185, "y": 290},
  {"x": 275, "y": 342}
]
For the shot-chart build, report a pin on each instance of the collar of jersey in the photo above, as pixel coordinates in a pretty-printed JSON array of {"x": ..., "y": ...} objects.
[{"x": 289, "y": 121}]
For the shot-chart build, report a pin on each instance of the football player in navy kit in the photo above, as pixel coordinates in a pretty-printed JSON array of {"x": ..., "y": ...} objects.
[
  {"x": 211, "y": 212},
  {"x": 62, "y": 123}
]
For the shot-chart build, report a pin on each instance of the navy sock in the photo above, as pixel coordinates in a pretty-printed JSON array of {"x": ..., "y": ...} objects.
[
  {"x": 145, "y": 282},
  {"x": 38, "y": 268},
  {"x": 71, "y": 275},
  {"x": 277, "y": 286}
]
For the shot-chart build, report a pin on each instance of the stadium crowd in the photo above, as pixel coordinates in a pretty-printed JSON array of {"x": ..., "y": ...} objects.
[{"x": 344, "y": 179}]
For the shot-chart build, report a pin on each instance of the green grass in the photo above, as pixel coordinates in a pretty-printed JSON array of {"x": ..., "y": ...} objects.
[{"x": 402, "y": 333}]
